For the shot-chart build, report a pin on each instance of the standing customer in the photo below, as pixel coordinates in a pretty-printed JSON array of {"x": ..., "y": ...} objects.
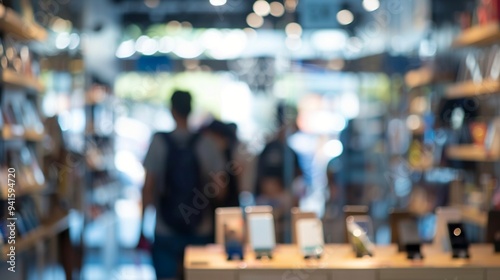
[{"x": 179, "y": 166}]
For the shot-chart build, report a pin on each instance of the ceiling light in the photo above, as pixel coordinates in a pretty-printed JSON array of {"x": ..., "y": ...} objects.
[
  {"x": 291, "y": 5},
  {"x": 74, "y": 41},
  {"x": 173, "y": 24},
  {"x": 218, "y": 2},
  {"x": 186, "y": 25},
  {"x": 126, "y": 49},
  {"x": 63, "y": 40},
  {"x": 277, "y": 9},
  {"x": 293, "y": 29},
  {"x": 187, "y": 49},
  {"x": 254, "y": 20},
  {"x": 413, "y": 122},
  {"x": 371, "y": 5},
  {"x": 152, "y": 3},
  {"x": 166, "y": 44},
  {"x": 345, "y": 17},
  {"x": 261, "y": 8},
  {"x": 150, "y": 47},
  {"x": 146, "y": 45}
]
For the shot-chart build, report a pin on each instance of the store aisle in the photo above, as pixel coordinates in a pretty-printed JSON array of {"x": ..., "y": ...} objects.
[{"x": 131, "y": 264}]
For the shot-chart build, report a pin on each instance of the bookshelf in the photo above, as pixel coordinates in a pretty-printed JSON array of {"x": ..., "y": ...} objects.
[
  {"x": 10, "y": 77},
  {"x": 12, "y": 23},
  {"x": 45, "y": 231}
]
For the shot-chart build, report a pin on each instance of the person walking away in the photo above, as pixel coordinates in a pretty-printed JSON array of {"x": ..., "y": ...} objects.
[{"x": 179, "y": 166}]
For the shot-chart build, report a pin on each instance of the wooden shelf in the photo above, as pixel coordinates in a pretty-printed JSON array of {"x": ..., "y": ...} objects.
[
  {"x": 27, "y": 190},
  {"x": 471, "y": 153},
  {"x": 10, "y": 77},
  {"x": 42, "y": 232},
  {"x": 18, "y": 132},
  {"x": 474, "y": 216},
  {"x": 481, "y": 35},
  {"x": 13, "y": 23},
  {"x": 471, "y": 89}
]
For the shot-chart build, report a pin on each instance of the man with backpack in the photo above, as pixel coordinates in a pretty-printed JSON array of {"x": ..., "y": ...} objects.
[{"x": 180, "y": 173}]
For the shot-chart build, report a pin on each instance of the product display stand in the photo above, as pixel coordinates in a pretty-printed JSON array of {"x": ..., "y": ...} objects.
[{"x": 340, "y": 263}]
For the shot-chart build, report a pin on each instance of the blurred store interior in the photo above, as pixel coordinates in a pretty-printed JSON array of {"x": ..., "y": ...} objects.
[{"x": 388, "y": 104}]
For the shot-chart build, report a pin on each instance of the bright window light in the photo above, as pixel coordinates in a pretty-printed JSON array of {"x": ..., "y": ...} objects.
[
  {"x": 293, "y": 43},
  {"x": 329, "y": 40},
  {"x": 349, "y": 105}
]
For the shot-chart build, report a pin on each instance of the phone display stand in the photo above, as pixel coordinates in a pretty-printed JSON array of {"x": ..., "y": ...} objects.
[
  {"x": 359, "y": 228},
  {"x": 493, "y": 229},
  {"x": 445, "y": 215},
  {"x": 458, "y": 241},
  {"x": 413, "y": 252},
  {"x": 496, "y": 245},
  {"x": 310, "y": 237},
  {"x": 262, "y": 234},
  {"x": 264, "y": 254},
  {"x": 460, "y": 253}
]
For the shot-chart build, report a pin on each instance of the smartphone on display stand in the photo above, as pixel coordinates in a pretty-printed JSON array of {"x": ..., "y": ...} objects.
[
  {"x": 310, "y": 237},
  {"x": 409, "y": 238},
  {"x": 445, "y": 215},
  {"x": 360, "y": 230},
  {"x": 262, "y": 234},
  {"x": 458, "y": 241}
]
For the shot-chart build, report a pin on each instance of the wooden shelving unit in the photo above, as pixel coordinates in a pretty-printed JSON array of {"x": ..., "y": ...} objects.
[
  {"x": 26, "y": 190},
  {"x": 15, "y": 25},
  {"x": 482, "y": 35},
  {"x": 45, "y": 231},
  {"x": 471, "y": 89},
  {"x": 471, "y": 153},
  {"x": 15, "y": 132},
  {"x": 12, "y": 78}
]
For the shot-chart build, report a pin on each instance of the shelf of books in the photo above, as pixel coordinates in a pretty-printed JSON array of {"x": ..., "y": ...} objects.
[
  {"x": 22, "y": 132},
  {"x": 13, "y": 23},
  {"x": 34, "y": 232},
  {"x": 13, "y": 78}
]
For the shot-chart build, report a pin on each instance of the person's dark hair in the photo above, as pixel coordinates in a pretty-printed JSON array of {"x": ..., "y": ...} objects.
[{"x": 181, "y": 103}]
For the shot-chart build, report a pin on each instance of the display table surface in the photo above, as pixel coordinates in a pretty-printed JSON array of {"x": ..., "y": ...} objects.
[{"x": 338, "y": 263}]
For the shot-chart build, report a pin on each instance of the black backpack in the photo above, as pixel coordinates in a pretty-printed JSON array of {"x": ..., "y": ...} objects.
[{"x": 182, "y": 182}]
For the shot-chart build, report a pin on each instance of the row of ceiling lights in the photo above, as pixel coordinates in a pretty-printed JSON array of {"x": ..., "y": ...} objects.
[{"x": 262, "y": 8}]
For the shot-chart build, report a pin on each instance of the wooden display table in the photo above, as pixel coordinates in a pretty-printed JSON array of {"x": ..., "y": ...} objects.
[{"x": 339, "y": 263}]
